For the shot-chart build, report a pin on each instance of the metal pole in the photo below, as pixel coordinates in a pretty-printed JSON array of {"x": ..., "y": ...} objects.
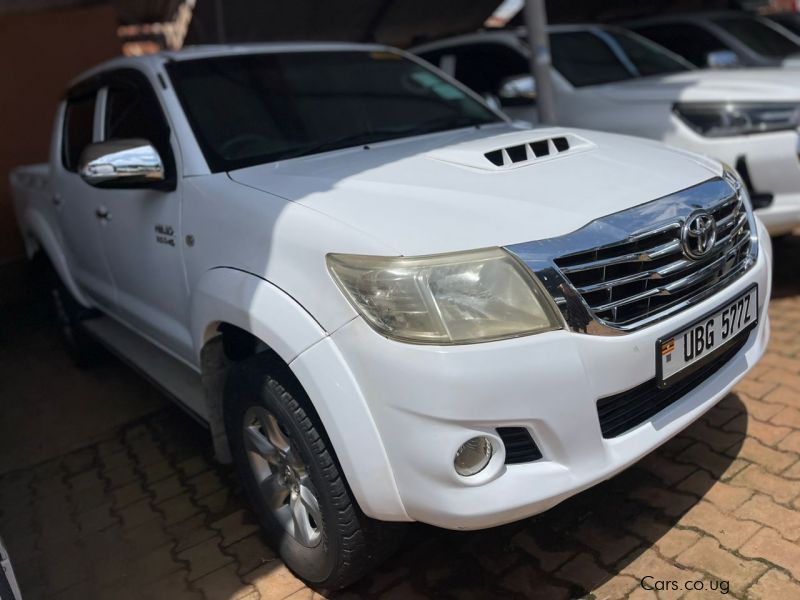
[{"x": 536, "y": 23}]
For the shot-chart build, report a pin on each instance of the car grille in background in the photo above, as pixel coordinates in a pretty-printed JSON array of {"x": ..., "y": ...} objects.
[
  {"x": 622, "y": 412},
  {"x": 631, "y": 282},
  {"x": 520, "y": 447}
]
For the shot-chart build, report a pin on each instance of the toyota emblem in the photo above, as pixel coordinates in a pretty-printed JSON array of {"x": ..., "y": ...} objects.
[{"x": 698, "y": 235}]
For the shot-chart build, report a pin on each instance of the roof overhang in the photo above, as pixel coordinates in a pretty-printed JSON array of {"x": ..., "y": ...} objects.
[{"x": 393, "y": 22}]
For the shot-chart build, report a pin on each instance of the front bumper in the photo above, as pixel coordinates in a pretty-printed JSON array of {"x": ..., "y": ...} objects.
[{"x": 425, "y": 401}]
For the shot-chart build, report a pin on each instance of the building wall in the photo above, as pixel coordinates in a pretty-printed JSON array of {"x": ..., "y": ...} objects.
[{"x": 39, "y": 54}]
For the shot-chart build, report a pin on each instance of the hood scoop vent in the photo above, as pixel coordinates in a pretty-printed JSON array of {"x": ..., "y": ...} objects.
[
  {"x": 513, "y": 151},
  {"x": 529, "y": 152}
]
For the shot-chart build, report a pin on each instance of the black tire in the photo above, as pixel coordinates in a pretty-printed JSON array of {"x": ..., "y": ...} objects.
[
  {"x": 351, "y": 544},
  {"x": 69, "y": 316}
]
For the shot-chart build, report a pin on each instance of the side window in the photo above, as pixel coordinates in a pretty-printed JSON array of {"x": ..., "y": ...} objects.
[
  {"x": 133, "y": 111},
  {"x": 78, "y": 129},
  {"x": 485, "y": 66},
  {"x": 689, "y": 41}
]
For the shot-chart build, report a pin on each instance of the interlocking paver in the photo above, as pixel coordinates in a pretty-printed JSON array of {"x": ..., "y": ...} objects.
[
  {"x": 204, "y": 558},
  {"x": 770, "y": 545},
  {"x": 707, "y": 555},
  {"x": 774, "y": 584},
  {"x": 274, "y": 581},
  {"x": 762, "y": 509},
  {"x": 235, "y": 526}
]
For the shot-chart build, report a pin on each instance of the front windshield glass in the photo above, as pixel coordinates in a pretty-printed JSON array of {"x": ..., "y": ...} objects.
[
  {"x": 255, "y": 108},
  {"x": 757, "y": 36},
  {"x": 606, "y": 56}
]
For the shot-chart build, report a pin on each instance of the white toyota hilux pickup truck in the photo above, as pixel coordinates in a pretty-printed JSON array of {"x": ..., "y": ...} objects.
[{"x": 388, "y": 303}]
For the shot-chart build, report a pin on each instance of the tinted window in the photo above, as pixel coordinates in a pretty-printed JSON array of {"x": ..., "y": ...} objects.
[
  {"x": 133, "y": 111},
  {"x": 257, "y": 108},
  {"x": 78, "y": 129},
  {"x": 689, "y": 41},
  {"x": 585, "y": 59},
  {"x": 484, "y": 67},
  {"x": 609, "y": 55},
  {"x": 759, "y": 37},
  {"x": 646, "y": 57}
]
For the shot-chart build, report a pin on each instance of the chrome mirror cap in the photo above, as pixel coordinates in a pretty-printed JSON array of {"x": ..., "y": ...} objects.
[{"x": 121, "y": 163}]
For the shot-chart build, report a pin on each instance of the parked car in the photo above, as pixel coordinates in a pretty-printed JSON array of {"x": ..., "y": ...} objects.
[
  {"x": 610, "y": 79},
  {"x": 388, "y": 303},
  {"x": 723, "y": 39}
]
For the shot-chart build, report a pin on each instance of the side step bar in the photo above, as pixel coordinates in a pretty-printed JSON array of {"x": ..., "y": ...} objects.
[{"x": 178, "y": 381}]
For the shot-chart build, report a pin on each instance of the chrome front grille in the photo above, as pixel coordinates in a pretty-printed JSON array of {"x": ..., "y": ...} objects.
[
  {"x": 639, "y": 277},
  {"x": 627, "y": 270}
]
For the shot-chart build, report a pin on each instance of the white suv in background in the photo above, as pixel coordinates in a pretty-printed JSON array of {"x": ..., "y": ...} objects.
[{"x": 610, "y": 79}]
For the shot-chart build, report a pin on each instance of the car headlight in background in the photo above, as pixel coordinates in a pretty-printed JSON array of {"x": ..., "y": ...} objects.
[
  {"x": 729, "y": 119},
  {"x": 457, "y": 298}
]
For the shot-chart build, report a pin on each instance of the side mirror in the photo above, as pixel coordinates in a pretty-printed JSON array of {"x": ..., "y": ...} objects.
[
  {"x": 722, "y": 59},
  {"x": 519, "y": 90},
  {"x": 121, "y": 163}
]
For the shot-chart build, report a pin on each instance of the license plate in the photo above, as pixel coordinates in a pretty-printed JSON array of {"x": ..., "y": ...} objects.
[{"x": 681, "y": 353}]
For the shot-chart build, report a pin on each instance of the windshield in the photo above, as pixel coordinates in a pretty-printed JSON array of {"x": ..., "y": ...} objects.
[
  {"x": 257, "y": 108},
  {"x": 758, "y": 36},
  {"x": 601, "y": 56}
]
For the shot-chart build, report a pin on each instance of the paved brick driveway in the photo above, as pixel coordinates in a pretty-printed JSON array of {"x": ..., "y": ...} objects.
[{"x": 146, "y": 514}]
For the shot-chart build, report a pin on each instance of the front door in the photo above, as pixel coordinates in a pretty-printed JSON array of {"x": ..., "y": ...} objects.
[{"x": 140, "y": 229}]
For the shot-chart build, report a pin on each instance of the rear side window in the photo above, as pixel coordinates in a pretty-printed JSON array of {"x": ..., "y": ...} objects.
[
  {"x": 689, "y": 41},
  {"x": 78, "y": 129}
]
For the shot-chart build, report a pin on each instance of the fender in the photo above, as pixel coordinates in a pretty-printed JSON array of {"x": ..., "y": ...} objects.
[
  {"x": 240, "y": 298},
  {"x": 39, "y": 230},
  {"x": 247, "y": 301}
]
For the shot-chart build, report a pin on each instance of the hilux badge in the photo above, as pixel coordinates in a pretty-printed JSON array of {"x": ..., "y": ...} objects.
[{"x": 698, "y": 235}]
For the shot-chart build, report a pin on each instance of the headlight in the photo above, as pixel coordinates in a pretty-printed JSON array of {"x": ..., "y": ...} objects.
[
  {"x": 720, "y": 120},
  {"x": 454, "y": 298}
]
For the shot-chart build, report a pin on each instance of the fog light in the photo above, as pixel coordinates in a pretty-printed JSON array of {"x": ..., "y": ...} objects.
[{"x": 473, "y": 456}]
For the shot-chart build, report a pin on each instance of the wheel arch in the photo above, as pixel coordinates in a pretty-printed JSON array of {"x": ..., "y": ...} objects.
[{"x": 235, "y": 314}]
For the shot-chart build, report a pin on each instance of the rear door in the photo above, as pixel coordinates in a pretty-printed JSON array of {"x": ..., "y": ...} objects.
[
  {"x": 141, "y": 234},
  {"x": 73, "y": 198}
]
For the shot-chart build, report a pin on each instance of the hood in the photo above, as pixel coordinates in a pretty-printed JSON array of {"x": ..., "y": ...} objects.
[
  {"x": 733, "y": 85},
  {"x": 441, "y": 193}
]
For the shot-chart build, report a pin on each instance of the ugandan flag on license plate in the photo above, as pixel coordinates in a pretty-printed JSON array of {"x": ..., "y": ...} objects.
[{"x": 667, "y": 347}]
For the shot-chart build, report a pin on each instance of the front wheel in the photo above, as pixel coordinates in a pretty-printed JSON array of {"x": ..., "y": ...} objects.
[{"x": 294, "y": 482}]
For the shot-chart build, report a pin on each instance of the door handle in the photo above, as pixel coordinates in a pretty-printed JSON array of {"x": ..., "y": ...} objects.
[
  {"x": 102, "y": 213},
  {"x": 56, "y": 200}
]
